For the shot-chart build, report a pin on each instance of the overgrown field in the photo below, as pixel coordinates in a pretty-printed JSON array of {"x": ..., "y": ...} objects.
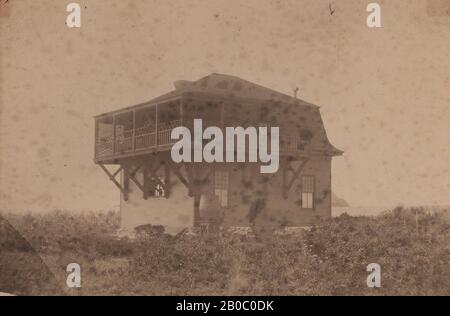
[{"x": 411, "y": 246}]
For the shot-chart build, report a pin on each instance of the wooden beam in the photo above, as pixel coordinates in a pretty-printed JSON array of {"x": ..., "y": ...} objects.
[
  {"x": 167, "y": 183},
  {"x": 182, "y": 179},
  {"x": 189, "y": 174},
  {"x": 144, "y": 188},
  {"x": 126, "y": 186},
  {"x": 208, "y": 174},
  {"x": 296, "y": 173},
  {"x": 132, "y": 177},
  {"x": 135, "y": 170},
  {"x": 198, "y": 178},
  {"x": 191, "y": 182},
  {"x": 117, "y": 172},
  {"x": 113, "y": 178},
  {"x": 155, "y": 168}
]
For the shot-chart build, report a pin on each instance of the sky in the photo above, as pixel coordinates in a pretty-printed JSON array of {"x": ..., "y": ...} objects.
[{"x": 384, "y": 93}]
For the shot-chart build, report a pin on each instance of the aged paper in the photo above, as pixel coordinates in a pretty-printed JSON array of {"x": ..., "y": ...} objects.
[{"x": 244, "y": 147}]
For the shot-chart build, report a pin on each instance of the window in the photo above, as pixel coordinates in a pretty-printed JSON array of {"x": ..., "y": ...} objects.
[
  {"x": 159, "y": 188},
  {"x": 308, "y": 192},
  {"x": 155, "y": 187},
  {"x": 221, "y": 187}
]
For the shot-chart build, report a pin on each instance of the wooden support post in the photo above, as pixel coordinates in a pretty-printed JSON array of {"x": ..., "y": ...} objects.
[
  {"x": 155, "y": 168},
  {"x": 167, "y": 181},
  {"x": 112, "y": 177},
  {"x": 132, "y": 177},
  {"x": 182, "y": 179},
  {"x": 209, "y": 172},
  {"x": 146, "y": 182},
  {"x": 126, "y": 185},
  {"x": 189, "y": 175},
  {"x": 198, "y": 183},
  {"x": 133, "y": 173},
  {"x": 117, "y": 172}
]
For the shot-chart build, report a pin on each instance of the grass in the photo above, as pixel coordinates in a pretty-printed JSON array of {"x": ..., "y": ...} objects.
[{"x": 411, "y": 245}]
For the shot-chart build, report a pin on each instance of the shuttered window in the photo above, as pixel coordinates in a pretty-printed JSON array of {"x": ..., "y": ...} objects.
[{"x": 308, "y": 192}]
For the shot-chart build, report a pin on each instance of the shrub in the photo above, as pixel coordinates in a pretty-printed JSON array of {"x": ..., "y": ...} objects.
[{"x": 411, "y": 245}]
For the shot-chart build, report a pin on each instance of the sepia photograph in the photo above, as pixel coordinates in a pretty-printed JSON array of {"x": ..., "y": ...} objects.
[{"x": 224, "y": 148}]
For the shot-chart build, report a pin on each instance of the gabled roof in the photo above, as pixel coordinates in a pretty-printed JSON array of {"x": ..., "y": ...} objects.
[
  {"x": 233, "y": 86},
  {"x": 305, "y": 116},
  {"x": 220, "y": 85}
]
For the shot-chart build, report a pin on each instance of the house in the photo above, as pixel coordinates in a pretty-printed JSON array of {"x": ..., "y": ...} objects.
[{"x": 156, "y": 190}]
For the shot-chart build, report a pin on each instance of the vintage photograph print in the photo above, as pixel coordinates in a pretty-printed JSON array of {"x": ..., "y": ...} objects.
[{"x": 224, "y": 148}]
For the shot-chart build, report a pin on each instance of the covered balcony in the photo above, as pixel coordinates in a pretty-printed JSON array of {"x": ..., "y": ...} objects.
[{"x": 146, "y": 128}]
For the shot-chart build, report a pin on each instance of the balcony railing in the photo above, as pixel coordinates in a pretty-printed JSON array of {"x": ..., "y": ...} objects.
[
  {"x": 146, "y": 137},
  {"x": 139, "y": 139}
]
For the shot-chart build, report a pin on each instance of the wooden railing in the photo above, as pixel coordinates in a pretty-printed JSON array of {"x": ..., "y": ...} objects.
[
  {"x": 135, "y": 140},
  {"x": 146, "y": 137},
  {"x": 104, "y": 147}
]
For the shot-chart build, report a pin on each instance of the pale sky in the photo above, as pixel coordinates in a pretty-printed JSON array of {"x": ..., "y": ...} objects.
[{"x": 384, "y": 93}]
